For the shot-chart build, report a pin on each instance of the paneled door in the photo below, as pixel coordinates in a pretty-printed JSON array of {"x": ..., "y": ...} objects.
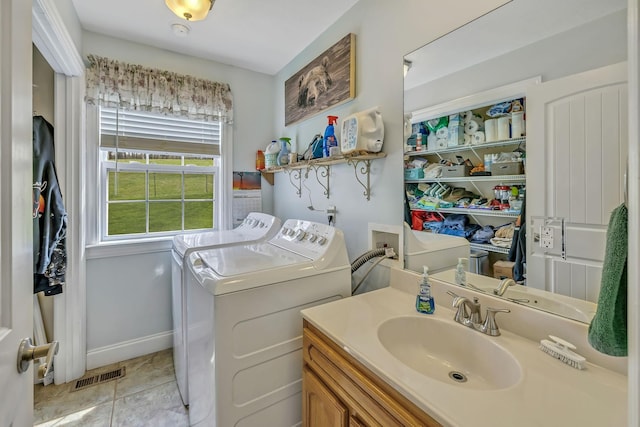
[
  {"x": 16, "y": 259},
  {"x": 577, "y": 130}
]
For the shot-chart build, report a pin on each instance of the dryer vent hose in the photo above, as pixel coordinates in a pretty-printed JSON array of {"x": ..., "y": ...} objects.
[{"x": 374, "y": 253}]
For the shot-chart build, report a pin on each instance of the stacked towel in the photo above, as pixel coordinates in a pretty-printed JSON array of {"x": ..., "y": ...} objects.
[{"x": 608, "y": 329}]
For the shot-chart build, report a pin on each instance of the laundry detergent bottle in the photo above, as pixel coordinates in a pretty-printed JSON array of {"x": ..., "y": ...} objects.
[
  {"x": 330, "y": 139},
  {"x": 271, "y": 154}
]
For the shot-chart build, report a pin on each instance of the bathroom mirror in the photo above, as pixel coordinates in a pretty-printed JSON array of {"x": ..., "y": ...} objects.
[{"x": 521, "y": 44}]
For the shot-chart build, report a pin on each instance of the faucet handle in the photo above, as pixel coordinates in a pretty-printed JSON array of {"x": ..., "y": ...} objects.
[
  {"x": 461, "y": 309},
  {"x": 490, "y": 327}
]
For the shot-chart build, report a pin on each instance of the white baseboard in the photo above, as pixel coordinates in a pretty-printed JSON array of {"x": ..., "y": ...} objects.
[{"x": 129, "y": 349}]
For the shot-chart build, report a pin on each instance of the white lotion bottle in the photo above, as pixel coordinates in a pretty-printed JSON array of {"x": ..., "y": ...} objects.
[{"x": 461, "y": 274}]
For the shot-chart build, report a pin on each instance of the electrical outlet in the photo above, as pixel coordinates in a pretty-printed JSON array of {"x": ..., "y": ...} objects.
[
  {"x": 546, "y": 242},
  {"x": 546, "y": 231},
  {"x": 331, "y": 210}
]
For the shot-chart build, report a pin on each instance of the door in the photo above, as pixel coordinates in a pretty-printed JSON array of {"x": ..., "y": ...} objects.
[
  {"x": 16, "y": 265},
  {"x": 576, "y": 159},
  {"x": 320, "y": 407}
]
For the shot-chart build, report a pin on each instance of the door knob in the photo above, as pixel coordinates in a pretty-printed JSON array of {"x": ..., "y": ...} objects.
[{"x": 28, "y": 352}]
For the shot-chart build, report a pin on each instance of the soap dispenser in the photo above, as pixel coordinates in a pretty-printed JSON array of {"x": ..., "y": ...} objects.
[
  {"x": 461, "y": 274},
  {"x": 424, "y": 301}
]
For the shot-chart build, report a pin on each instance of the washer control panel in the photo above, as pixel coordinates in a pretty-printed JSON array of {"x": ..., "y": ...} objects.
[{"x": 310, "y": 239}]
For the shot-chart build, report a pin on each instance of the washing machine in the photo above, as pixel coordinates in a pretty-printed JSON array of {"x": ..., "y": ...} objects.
[
  {"x": 245, "y": 326},
  {"x": 254, "y": 228}
]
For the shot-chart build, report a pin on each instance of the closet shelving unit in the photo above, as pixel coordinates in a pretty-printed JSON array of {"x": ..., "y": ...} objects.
[{"x": 479, "y": 184}]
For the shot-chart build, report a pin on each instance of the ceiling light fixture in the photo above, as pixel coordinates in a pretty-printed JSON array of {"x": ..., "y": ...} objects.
[
  {"x": 191, "y": 10},
  {"x": 407, "y": 66}
]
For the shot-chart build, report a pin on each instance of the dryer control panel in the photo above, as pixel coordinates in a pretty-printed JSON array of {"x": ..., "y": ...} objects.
[{"x": 306, "y": 238}]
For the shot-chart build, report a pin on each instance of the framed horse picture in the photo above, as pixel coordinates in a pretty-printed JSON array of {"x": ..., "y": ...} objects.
[{"x": 325, "y": 82}]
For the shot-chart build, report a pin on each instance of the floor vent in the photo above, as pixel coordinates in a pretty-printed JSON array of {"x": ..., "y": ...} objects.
[{"x": 98, "y": 379}]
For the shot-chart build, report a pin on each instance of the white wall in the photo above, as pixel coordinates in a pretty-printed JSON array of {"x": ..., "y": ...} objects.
[
  {"x": 71, "y": 21},
  {"x": 128, "y": 297},
  {"x": 385, "y": 32},
  {"x": 596, "y": 44}
]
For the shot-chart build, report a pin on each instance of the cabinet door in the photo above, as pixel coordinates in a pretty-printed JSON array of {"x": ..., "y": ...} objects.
[
  {"x": 576, "y": 157},
  {"x": 320, "y": 407},
  {"x": 355, "y": 422}
]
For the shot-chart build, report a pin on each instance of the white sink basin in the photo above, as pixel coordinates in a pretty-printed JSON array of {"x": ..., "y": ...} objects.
[
  {"x": 449, "y": 352},
  {"x": 548, "y": 304}
]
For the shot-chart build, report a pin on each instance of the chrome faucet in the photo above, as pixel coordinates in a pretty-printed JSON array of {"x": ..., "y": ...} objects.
[
  {"x": 502, "y": 287},
  {"x": 462, "y": 304},
  {"x": 473, "y": 318}
]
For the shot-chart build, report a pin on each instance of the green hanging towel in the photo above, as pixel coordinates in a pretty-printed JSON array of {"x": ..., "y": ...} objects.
[{"x": 608, "y": 329}]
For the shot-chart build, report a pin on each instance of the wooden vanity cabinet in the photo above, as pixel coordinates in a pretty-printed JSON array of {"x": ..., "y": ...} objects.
[{"x": 339, "y": 391}]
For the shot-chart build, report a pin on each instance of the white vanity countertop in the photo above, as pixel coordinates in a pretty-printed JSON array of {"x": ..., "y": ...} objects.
[{"x": 550, "y": 393}]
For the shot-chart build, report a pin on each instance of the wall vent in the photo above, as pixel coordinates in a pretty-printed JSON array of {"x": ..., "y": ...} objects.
[{"x": 100, "y": 378}]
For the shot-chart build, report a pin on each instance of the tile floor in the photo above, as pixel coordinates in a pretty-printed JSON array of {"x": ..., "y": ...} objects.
[{"x": 146, "y": 396}]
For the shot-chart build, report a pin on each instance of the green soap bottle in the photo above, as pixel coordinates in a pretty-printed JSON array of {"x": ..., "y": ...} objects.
[{"x": 424, "y": 301}]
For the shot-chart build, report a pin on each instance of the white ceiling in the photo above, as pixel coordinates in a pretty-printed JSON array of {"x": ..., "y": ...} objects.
[{"x": 258, "y": 35}]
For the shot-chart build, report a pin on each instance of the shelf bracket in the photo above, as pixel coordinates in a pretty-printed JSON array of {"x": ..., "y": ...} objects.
[
  {"x": 473, "y": 150},
  {"x": 477, "y": 189},
  {"x": 365, "y": 171},
  {"x": 322, "y": 171},
  {"x": 295, "y": 174}
]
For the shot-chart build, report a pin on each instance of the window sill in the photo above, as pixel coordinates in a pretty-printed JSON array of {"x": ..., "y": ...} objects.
[{"x": 128, "y": 247}]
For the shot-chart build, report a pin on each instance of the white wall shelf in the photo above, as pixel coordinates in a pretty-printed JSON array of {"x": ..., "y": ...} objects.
[
  {"x": 322, "y": 168},
  {"x": 471, "y": 147},
  {"x": 488, "y": 178},
  {"x": 472, "y": 212},
  {"x": 489, "y": 248}
]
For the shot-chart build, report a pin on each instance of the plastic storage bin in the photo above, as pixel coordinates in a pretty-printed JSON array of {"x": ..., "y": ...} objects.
[
  {"x": 455, "y": 171},
  {"x": 414, "y": 173},
  {"x": 507, "y": 168}
]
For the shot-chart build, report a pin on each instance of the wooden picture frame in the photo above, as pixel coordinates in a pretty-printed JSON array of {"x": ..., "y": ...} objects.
[{"x": 325, "y": 82}]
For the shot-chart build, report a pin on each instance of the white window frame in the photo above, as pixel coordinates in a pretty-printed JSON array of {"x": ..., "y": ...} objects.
[
  {"x": 147, "y": 168},
  {"x": 96, "y": 247}
]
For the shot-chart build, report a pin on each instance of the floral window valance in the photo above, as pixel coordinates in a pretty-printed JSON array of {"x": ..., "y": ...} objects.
[{"x": 117, "y": 84}]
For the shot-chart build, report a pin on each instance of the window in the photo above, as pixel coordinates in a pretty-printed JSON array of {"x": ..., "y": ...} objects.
[{"x": 159, "y": 175}]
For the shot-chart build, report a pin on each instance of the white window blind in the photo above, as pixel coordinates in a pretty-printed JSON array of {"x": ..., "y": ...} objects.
[{"x": 132, "y": 130}]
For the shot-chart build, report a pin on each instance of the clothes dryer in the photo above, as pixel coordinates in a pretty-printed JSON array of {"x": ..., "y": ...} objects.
[
  {"x": 245, "y": 326},
  {"x": 255, "y": 227}
]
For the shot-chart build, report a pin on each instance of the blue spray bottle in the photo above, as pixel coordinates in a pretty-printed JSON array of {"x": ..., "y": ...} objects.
[
  {"x": 424, "y": 301},
  {"x": 330, "y": 139}
]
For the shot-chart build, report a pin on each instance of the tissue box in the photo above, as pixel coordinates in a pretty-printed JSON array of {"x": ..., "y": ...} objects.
[
  {"x": 455, "y": 171},
  {"x": 503, "y": 269},
  {"x": 456, "y": 135}
]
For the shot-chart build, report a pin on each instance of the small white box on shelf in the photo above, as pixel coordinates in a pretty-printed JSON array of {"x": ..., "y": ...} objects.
[{"x": 456, "y": 135}]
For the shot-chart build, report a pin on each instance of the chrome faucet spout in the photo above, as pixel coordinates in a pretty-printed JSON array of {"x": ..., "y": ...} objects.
[
  {"x": 502, "y": 287},
  {"x": 472, "y": 318},
  {"x": 464, "y": 316}
]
